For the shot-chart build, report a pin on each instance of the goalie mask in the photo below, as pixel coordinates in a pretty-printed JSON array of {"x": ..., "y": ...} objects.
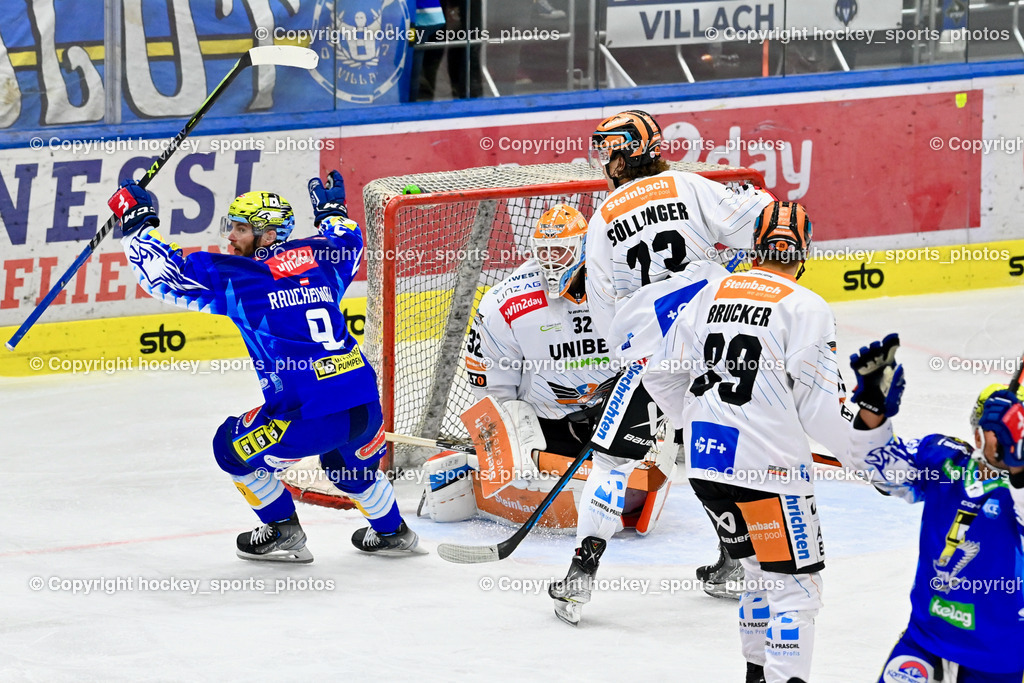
[
  {"x": 262, "y": 211},
  {"x": 782, "y": 233},
  {"x": 633, "y": 134},
  {"x": 559, "y": 244}
]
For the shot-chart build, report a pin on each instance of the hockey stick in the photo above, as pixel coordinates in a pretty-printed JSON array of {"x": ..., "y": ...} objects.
[
  {"x": 1015, "y": 382},
  {"x": 429, "y": 443},
  {"x": 473, "y": 554},
  {"x": 279, "y": 55}
]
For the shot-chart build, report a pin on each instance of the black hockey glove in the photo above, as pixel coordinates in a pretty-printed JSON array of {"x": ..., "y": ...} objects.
[{"x": 879, "y": 379}]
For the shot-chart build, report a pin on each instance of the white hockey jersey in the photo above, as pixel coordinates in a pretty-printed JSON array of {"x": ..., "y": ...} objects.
[
  {"x": 748, "y": 368},
  {"x": 651, "y": 227},
  {"x": 528, "y": 346}
]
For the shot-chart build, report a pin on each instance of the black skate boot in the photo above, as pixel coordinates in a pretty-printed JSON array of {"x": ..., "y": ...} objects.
[
  {"x": 283, "y": 541},
  {"x": 404, "y": 541},
  {"x": 572, "y": 592},
  {"x": 716, "y": 576},
  {"x": 755, "y": 673}
]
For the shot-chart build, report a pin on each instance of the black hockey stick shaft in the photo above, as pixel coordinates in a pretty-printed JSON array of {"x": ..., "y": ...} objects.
[
  {"x": 1015, "y": 381},
  {"x": 506, "y": 548},
  {"x": 266, "y": 56},
  {"x": 469, "y": 554}
]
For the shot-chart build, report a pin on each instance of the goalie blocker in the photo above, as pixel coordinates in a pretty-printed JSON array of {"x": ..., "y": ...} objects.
[{"x": 512, "y": 473}]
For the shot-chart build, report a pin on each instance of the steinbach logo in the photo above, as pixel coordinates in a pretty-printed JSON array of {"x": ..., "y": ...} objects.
[
  {"x": 521, "y": 305},
  {"x": 291, "y": 262},
  {"x": 371, "y": 37}
]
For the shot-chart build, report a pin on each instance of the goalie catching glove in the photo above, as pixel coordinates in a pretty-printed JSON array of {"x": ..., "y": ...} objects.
[{"x": 879, "y": 379}]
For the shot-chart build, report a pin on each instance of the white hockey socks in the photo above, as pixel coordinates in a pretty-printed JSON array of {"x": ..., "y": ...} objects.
[
  {"x": 603, "y": 496},
  {"x": 789, "y": 640},
  {"x": 754, "y": 613},
  {"x": 377, "y": 503}
]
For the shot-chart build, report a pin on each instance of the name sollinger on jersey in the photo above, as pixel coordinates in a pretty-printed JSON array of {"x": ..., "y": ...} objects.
[
  {"x": 287, "y": 307},
  {"x": 528, "y": 346},
  {"x": 649, "y": 228},
  {"x": 748, "y": 368}
]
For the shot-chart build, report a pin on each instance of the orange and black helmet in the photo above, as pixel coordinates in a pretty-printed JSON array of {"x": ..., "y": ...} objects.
[
  {"x": 633, "y": 134},
  {"x": 782, "y": 233}
]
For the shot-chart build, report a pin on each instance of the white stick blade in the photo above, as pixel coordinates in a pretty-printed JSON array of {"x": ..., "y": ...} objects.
[
  {"x": 468, "y": 554},
  {"x": 284, "y": 55}
]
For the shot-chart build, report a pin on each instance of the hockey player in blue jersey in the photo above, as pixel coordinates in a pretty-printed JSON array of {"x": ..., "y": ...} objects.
[
  {"x": 320, "y": 394},
  {"x": 967, "y": 599}
]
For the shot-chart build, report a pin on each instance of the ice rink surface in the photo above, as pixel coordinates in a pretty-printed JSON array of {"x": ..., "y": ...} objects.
[{"x": 111, "y": 477}]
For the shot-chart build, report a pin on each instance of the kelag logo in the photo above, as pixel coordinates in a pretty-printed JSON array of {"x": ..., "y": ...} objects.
[
  {"x": 162, "y": 341},
  {"x": 864, "y": 278}
]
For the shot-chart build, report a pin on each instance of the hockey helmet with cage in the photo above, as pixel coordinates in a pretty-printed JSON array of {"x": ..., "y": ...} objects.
[
  {"x": 559, "y": 245},
  {"x": 782, "y": 233},
  {"x": 262, "y": 211},
  {"x": 979, "y": 404},
  {"x": 634, "y": 134}
]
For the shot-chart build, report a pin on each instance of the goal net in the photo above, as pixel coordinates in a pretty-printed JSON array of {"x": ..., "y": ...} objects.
[{"x": 432, "y": 255}]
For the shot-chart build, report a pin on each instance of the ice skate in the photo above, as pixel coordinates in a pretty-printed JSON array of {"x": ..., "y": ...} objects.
[
  {"x": 572, "y": 592},
  {"x": 717, "y": 576},
  {"x": 404, "y": 541},
  {"x": 283, "y": 541}
]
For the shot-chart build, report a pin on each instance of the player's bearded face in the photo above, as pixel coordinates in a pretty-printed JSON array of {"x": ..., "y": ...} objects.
[{"x": 241, "y": 241}]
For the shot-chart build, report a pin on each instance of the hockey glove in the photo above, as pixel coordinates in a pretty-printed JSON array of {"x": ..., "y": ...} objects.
[
  {"x": 133, "y": 207},
  {"x": 1003, "y": 415},
  {"x": 879, "y": 379},
  {"x": 328, "y": 198}
]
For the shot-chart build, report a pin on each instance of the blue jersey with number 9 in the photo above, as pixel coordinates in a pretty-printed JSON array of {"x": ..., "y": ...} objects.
[{"x": 286, "y": 304}]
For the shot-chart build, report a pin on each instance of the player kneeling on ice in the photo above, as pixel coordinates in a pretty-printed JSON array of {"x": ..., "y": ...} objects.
[
  {"x": 966, "y": 603},
  {"x": 320, "y": 393},
  {"x": 748, "y": 368},
  {"x": 540, "y": 371}
]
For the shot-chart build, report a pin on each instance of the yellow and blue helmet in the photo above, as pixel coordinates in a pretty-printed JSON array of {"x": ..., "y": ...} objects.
[{"x": 262, "y": 211}]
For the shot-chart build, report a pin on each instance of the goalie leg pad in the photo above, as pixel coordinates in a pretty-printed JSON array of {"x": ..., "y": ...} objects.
[
  {"x": 448, "y": 496},
  {"x": 603, "y": 496},
  {"x": 504, "y": 436}
]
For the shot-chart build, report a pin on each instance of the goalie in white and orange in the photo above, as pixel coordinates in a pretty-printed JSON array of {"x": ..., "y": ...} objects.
[{"x": 541, "y": 372}]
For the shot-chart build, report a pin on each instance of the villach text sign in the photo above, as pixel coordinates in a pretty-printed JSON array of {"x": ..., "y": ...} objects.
[{"x": 647, "y": 23}]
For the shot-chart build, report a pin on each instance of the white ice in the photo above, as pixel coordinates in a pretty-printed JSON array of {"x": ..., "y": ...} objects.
[{"x": 111, "y": 476}]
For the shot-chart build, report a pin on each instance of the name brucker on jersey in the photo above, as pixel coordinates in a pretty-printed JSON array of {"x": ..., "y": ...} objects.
[
  {"x": 298, "y": 296},
  {"x": 651, "y": 214},
  {"x": 747, "y": 314}
]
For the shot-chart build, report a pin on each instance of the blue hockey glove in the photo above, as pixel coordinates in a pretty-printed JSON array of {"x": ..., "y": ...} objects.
[
  {"x": 133, "y": 207},
  {"x": 328, "y": 198},
  {"x": 880, "y": 380},
  {"x": 1003, "y": 415}
]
